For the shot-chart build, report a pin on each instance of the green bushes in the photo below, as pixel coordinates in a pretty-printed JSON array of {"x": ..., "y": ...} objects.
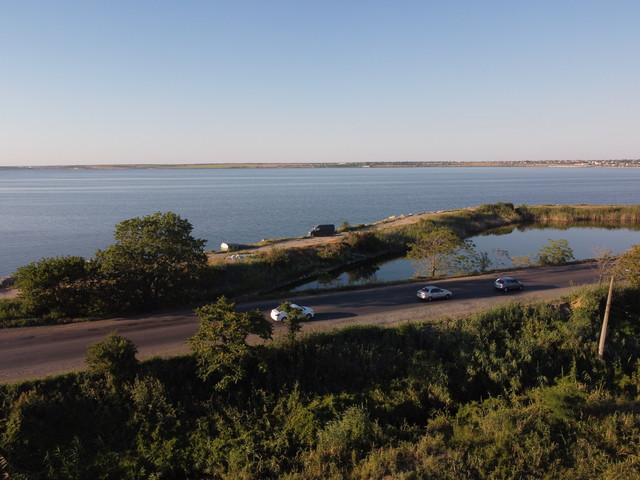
[
  {"x": 603, "y": 214},
  {"x": 12, "y": 313},
  {"x": 556, "y": 252},
  {"x": 114, "y": 359},
  {"x": 502, "y": 209},
  {"x": 154, "y": 262},
  {"x": 56, "y": 287},
  {"x": 514, "y": 392}
]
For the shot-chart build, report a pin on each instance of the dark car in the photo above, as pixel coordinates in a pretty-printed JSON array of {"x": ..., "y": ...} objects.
[
  {"x": 323, "y": 230},
  {"x": 508, "y": 283}
]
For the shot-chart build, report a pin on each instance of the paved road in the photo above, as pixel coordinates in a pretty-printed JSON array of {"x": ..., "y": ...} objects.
[{"x": 34, "y": 352}]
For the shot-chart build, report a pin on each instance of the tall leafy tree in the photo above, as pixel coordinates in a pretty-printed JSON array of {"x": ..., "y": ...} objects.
[
  {"x": 432, "y": 252},
  {"x": 154, "y": 258},
  {"x": 220, "y": 344}
]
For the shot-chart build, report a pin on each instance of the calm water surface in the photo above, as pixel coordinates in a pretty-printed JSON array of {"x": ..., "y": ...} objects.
[
  {"x": 46, "y": 213},
  {"x": 585, "y": 243}
]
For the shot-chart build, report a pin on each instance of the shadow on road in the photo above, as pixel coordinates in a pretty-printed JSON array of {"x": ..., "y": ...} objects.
[{"x": 333, "y": 316}]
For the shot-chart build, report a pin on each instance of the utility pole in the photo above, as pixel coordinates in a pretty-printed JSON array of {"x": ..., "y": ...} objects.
[{"x": 605, "y": 320}]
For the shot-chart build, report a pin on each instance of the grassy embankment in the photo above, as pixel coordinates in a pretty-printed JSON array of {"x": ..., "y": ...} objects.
[{"x": 514, "y": 392}]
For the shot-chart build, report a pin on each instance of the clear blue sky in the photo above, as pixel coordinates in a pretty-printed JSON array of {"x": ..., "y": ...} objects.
[{"x": 212, "y": 81}]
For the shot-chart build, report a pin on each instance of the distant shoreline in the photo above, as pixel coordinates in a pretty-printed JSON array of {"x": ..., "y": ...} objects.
[{"x": 634, "y": 163}]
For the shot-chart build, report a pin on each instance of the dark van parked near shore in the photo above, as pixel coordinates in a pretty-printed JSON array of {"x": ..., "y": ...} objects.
[{"x": 322, "y": 230}]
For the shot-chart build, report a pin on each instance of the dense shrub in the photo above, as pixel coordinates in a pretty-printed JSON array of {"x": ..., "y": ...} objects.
[
  {"x": 56, "y": 287},
  {"x": 11, "y": 312},
  {"x": 114, "y": 359},
  {"x": 556, "y": 252},
  {"x": 514, "y": 392}
]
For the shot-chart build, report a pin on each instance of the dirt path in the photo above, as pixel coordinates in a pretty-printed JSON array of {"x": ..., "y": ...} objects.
[
  {"x": 391, "y": 222},
  {"x": 8, "y": 293}
]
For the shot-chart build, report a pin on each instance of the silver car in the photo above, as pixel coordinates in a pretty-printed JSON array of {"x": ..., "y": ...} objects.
[
  {"x": 432, "y": 293},
  {"x": 508, "y": 283}
]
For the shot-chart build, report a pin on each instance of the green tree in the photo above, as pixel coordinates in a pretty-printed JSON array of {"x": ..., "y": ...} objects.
[
  {"x": 55, "y": 286},
  {"x": 114, "y": 358},
  {"x": 628, "y": 266},
  {"x": 556, "y": 253},
  {"x": 220, "y": 344},
  {"x": 432, "y": 252},
  {"x": 154, "y": 258},
  {"x": 293, "y": 320}
]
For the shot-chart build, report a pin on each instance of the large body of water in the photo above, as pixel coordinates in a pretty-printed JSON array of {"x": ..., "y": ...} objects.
[{"x": 47, "y": 213}]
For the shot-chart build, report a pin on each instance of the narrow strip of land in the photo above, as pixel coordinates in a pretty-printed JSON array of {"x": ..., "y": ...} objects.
[{"x": 34, "y": 352}]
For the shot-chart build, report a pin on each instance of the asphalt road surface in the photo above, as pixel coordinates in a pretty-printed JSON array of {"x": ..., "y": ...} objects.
[{"x": 34, "y": 352}]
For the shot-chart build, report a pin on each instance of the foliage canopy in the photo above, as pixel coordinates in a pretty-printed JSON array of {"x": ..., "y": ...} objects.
[
  {"x": 556, "y": 252},
  {"x": 628, "y": 266},
  {"x": 153, "y": 258},
  {"x": 220, "y": 344},
  {"x": 55, "y": 286},
  {"x": 433, "y": 250},
  {"x": 114, "y": 358},
  {"x": 513, "y": 392}
]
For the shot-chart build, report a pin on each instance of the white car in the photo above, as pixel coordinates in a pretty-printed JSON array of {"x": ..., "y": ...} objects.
[
  {"x": 280, "y": 316},
  {"x": 431, "y": 293}
]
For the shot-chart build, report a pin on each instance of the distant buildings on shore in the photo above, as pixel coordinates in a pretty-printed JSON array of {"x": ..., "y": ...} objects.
[{"x": 516, "y": 163}]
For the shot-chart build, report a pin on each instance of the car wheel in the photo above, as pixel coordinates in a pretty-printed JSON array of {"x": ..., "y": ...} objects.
[
  {"x": 447, "y": 296},
  {"x": 505, "y": 289},
  {"x": 307, "y": 316},
  {"x": 428, "y": 299},
  {"x": 520, "y": 287}
]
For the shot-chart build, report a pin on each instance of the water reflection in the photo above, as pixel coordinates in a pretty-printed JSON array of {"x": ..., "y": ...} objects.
[
  {"x": 364, "y": 272},
  {"x": 501, "y": 245},
  {"x": 527, "y": 241}
]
